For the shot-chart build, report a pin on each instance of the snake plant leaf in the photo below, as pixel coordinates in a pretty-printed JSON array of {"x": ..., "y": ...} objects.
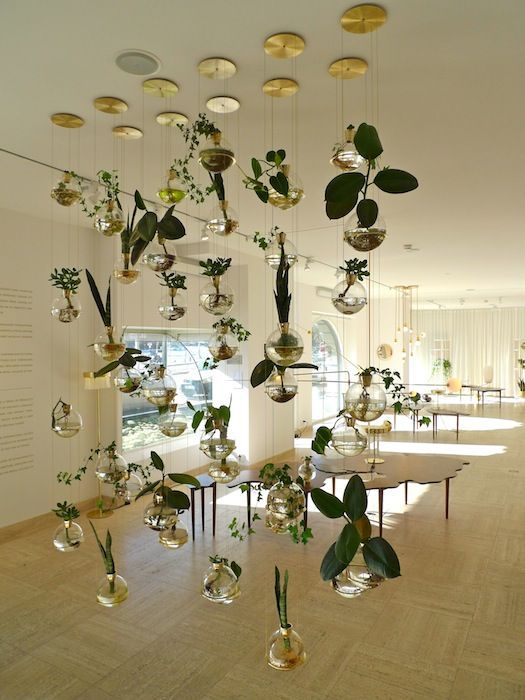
[
  {"x": 331, "y": 566},
  {"x": 261, "y": 372},
  {"x": 110, "y": 562},
  {"x": 367, "y": 211},
  {"x": 100, "y": 545},
  {"x": 170, "y": 227},
  {"x": 367, "y": 143},
  {"x": 185, "y": 479},
  {"x": 395, "y": 181},
  {"x": 147, "y": 489},
  {"x": 218, "y": 184},
  {"x": 278, "y": 590},
  {"x": 157, "y": 461},
  {"x": 108, "y": 368},
  {"x": 147, "y": 226},
  {"x": 355, "y": 499},
  {"x": 347, "y": 543},
  {"x": 96, "y": 296},
  {"x": 381, "y": 558},
  {"x": 330, "y": 506},
  {"x": 139, "y": 202},
  {"x": 108, "y": 304},
  {"x": 137, "y": 250}
]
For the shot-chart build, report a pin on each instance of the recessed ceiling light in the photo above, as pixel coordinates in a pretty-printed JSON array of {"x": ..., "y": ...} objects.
[{"x": 137, "y": 62}]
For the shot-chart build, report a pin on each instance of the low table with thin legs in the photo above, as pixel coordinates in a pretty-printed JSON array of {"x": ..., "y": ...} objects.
[{"x": 436, "y": 412}]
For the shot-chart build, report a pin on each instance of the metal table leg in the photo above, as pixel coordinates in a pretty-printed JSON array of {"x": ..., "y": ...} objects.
[
  {"x": 380, "y": 495},
  {"x": 192, "y": 494},
  {"x": 447, "y": 495},
  {"x": 214, "y": 505}
]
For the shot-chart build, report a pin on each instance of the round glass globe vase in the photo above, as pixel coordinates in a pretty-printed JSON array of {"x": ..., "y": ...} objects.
[
  {"x": 365, "y": 400},
  {"x": 110, "y": 467},
  {"x": 123, "y": 271},
  {"x": 216, "y": 445},
  {"x": 216, "y": 156},
  {"x": 284, "y": 506},
  {"x": 223, "y": 345},
  {"x": 172, "y": 191},
  {"x": 160, "y": 388},
  {"x": 346, "y": 157},
  {"x": 356, "y": 578},
  {"x": 174, "y": 537},
  {"x": 173, "y": 304},
  {"x": 160, "y": 255},
  {"x": 306, "y": 469},
  {"x": 220, "y": 584},
  {"x": 68, "y": 536},
  {"x": 285, "y": 649},
  {"x": 171, "y": 423},
  {"x": 159, "y": 515},
  {"x": 281, "y": 385},
  {"x": 364, "y": 239},
  {"x": 349, "y": 296},
  {"x": 112, "y": 591},
  {"x": 67, "y": 190},
  {"x": 225, "y": 470},
  {"x": 127, "y": 380},
  {"x": 284, "y": 346},
  {"x": 67, "y": 307},
  {"x": 129, "y": 488},
  {"x": 109, "y": 219},
  {"x": 107, "y": 348},
  {"x": 66, "y": 422},
  {"x": 216, "y": 297},
  {"x": 223, "y": 220},
  {"x": 273, "y": 254},
  {"x": 295, "y": 191},
  {"x": 346, "y": 438}
]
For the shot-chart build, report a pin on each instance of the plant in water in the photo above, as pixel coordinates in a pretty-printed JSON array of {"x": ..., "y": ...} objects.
[
  {"x": 357, "y": 268},
  {"x": 172, "y": 280},
  {"x": 128, "y": 360},
  {"x": 68, "y": 536},
  {"x": 268, "y": 173},
  {"x": 108, "y": 180},
  {"x": 66, "y": 511},
  {"x": 67, "y": 279},
  {"x": 216, "y": 298},
  {"x": 286, "y": 649},
  {"x": 192, "y": 135},
  {"x": 168, "y": 228},
  {"x": 216, "y": 559},
  {"x": 216, "y": 267},
  {"x": 442, "y": 366}
]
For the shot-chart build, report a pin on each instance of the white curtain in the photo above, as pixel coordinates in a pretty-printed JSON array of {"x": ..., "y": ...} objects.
[{"x": 476, "y": 338}]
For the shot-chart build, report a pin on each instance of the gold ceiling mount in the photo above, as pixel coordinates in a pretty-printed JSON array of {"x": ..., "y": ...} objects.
[
  {"x": 171, "y": 118},
  {"x": 348, "y": 68},
  {"x": 217, "y": 68},
  {"x": 363, "y": 19},
  {"x": 129, "y": 133},
  {"x": 223, "y": 104},
  {"x": 67, "y": 121},
  {"x": 160, "y": 87},
  {"x": 284, "y": 45},
  {"x": 110, "y": 105},
  {"x": 280, "y": 87}
]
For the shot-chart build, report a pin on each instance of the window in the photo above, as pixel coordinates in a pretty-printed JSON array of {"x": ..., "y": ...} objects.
[{"x": 326, "y": 354}]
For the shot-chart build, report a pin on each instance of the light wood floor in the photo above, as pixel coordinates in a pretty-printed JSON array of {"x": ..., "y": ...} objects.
[{"x": 453, "y": 626}]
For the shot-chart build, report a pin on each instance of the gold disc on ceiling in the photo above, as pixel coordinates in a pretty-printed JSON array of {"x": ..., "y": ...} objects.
[
  {"x": 67, "y": 121},
  {"x": 217, "y": 68},
  {"x": 363, "y": 19},
  {"x": 110, "y": 105},
  {"x": 171, "y": 118},
  {"x": 348, "y": 68},
  {"x": 284, "y": 45},
  {"x": 223, "y": 104},
  {"x": 127, "y": 132},
  {"x": 280, "y": 87},
  {"x": 160, "y": 87}
]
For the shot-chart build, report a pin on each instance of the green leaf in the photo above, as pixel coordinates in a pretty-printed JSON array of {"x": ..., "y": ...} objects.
[
  {"x": 302, "y": 365},
  {"x": 190, "y": 405},
  {"x": 108, "y": 368},
  {"x": 321, "y": 440},
  {"x": 147, "y": 226},
  {"x": 262, "y": 193},
  {"x": 347, "y": 544},
  {"x": 337, "y": 210},
  {"x": 139, "y": 202},
  {"x": 110, "y": 563},
  {"x": 176, "y": 499},
  {"x": 100, "y": 546},
  {"x": 157, "y": 461},
  {"x": 96, "y": 296},
  {"x": 170, "y": 227},
  {"x": 270, "y": 156},
  {"x": 355, "y": 499},
  {"x": 367, "y": 211},
  {"x": 278, "y": 590},
  {"x": 185, "y": 479},
  {"x": 395, "y": 181},
  {"x": 344, "y": 187},
  {"x": 328, "y": 505},
  {"x": 147, "y": 489},
  {"x": 381, "y": 558},
  {"x": 261, "y": 372},
  {"x": 127, "y": 360},
  {"x": 367, "y": 143},
  {"x": 224, "y": 414},
  {"x": 137, "y": 250},
  {"x": 280, "y": 183},
  {"x": 280, "y": 156},
  {"x": 197, "y": 419},
  {"x": 236, "y": 568},
  {"x": 256, "y": 167},
  {"x": 331, "y": 566}
]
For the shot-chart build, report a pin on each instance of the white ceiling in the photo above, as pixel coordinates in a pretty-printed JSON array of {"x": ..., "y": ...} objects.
[{"x": 448, "y": 75}]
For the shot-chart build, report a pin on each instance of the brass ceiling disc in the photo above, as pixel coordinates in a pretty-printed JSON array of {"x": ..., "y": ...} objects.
[
  {"x": 171, "y": 118},
  {"x": 363, "y": 19},
  {"x": 127, "y": 132},
  {"x": 217, "y": 68},
  {"x": 223, "y": 104},
  {"x": 284, "y": 45},
  {"x": 348, "y": 68},
  {"x": 280, "y": 87},
  {"x": 110, "y": 105},
  {"x": 160, "y": 87},
  {"x": 67, "y": 121}
]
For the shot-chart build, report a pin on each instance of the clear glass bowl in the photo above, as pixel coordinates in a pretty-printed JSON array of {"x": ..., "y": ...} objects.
[
  {"x": 216, "y": 157},
  {"x": 106, "y": 347},
  {"x": 171, "y": 423},
  {"x": 285, "y": 649},
  {"x": 364, "y": 239},
  {"x": 172, "y": 191},
  {"x": 284, "y": 507},
  {"x": 66, "y": 308},
  {"x": 123, "y": 272},
  {"x": 223, "y": 220},
  {"x": 272, "y": 255},
  {"x": 216, "y": 297},
  {"x": 173, "y": 304},
  {"x": 112, "y": 590},
  {"x": 159, "y": 256},
  {"x": 68, "y": 536},
  {"x": 109, "y": 219},
  {"x": 220, "y": 584},
  {"x": 110, "y": 467},
  {"x": 295, "y": 192},
  {"x": 284, "y": 346},
  {"x": 216, "y": 447},
  {"x": 173, "y": 538},
  {"x": 281, "y": 385},
  {"x": 356, "y": 578},
  {"x": 159, "y": 389},
  {"x": 346, "y": 157},
  {"x": 68, "y": 424},
  {"x": 159, "y": 515},
  {"x": 67, "y": 191},
  {"x": 365, "y": 402},
  {"x": 347, "y": 440},
  {"x": 306, "y": 469},
  {"x": 223, "y": 345},
  {"x": 224, "y": 471},
  {"x": 349, "y": 296},
  {"x": 127, "y": 380}
]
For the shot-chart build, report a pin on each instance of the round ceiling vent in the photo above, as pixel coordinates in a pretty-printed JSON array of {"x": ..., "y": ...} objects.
[{"x": 137, "y": 62}]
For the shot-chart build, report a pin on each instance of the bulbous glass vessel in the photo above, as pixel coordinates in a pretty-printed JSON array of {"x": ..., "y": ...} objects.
[
  {"x": 68, "y": 536},
  {"x": 224, "y": 471},
  {"x": 159, "y": 389},
  {"x": 346, "y": 156},
  {"x": 176, "y": 536},
  {"x": 364, "y": 400},
  {"x": 215, "y": 446},
  {"x": 306, "y": 469},
  {"x": 285, "y": 649},
  {"x": 107, "y": 348},
  {"x": 349, "y": 296},
  {"x": 111, "y": 467},
  {"x": 171, "y": 423},
  {"x": 129, "y": 488},
  {"x": 173, "y": 304},
  {"x": 220, "y": 584},
  {"x": 223, "y": 345},
  {"x": 159, "y": 515},
  {"x": 109, "y": 219},
  {"x": 67, "y": 191},
  {"x": 356, "y": 578},
  {"x": 67, "y": 423},
  {"x": 160, "y": 255},
  {"x": 123, "y": 271},
  {"x": 284, "y": 346},
  {"x": 295, "y": 191},
  {"x": 223, "y": 220},
  {"x": 364, "y": 239},
  {"x": 67, "y": 307},
  {"x": 272, "y": 255},
  {"x": 216, "y": 297},
  {"x": 281, "y": 385},
  {"x": 216, "y": 157},
  {"x": 172, "y": 191},
  {"x": 112, "y": 590},
  {"x": 346, "y": 438},
  {"x": 284, "y": 507},
  {"x": 127, "y": 380}
]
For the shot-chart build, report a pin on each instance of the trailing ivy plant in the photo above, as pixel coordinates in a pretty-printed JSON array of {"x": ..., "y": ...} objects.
[
  {"x": 267, "y": 173},
  {"x": 109, "y": 181},
  {"x": 173, "y": 498},
  {"x": 343, "y": 191},
  {"x": 234, "y": 327},
  {"x": 216, "y": 559},
  {"x": 67, "y": 279},
  {"x": 67, "y": 478},
  {"x": 168, "y": 228},
  {"x": 192, "y": 135},
  {"x": 379, "y": 555}
]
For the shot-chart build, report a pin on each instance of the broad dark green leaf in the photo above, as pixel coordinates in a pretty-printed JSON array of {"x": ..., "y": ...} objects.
[
  {"x": 185, "y": 479},
  {"x": 139, "y": 202},
  {"x": 133, "y": 351},
  {"x": 236, "y": 568},
  {"x": 395, "y": 181},
  {"x": 256, "y": 167},
  {"x": 331, "y": 566},
  {"x": 280, "y": 183},
  {"x": 218, "y": 183},
  {"x": 157, "y": 461},
  {"x": 190, "y": 405},
  {"x": 328, "y": 505},
  {"x": 197, "y": 419},
  {"x": 137, "y": 250},
  {"x": 337, "y": 210},
  {"x": 347, "y": 544},
  {"x": 170, "y": 227},
  {"x": 262, "y": 193},
  {"x": 127, "y": 360},
  {"x": 367, "y": 211},
  {"x": 176, "y": 499},
  {"x": 302, "y": 365},
  {"x": 270, "y": 156},
  {"x": 147, "y": 226},
  {"x": 321, "y": 439},
  {"x": 367, "y": 143},
  {"x": 381, "y": 558},
  {"x": 108, "y": 368},
  {"x": 261, "y": 372},
  {"x": 224, "y": 414},
  {"x": 96, "y": 296},
  {"x": 142, "y": 358},
  {"x": 344, "y": 187},
  {"x": 147, "y": 489},
  {"x": 280, "y": 156},
  {"x": 355, "y": 499},
  {"x": 108, "y": 304}
]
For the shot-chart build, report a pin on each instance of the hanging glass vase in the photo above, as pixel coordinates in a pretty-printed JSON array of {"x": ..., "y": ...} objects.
[
  {"x": 172, "y": 192},
  {"x": 160, "y": 388},
  {"x": 112, "y": 590},
  {"x": 123, "y": 272},
  {"x": 364, "y": 400},
  {"x": 109, "y": 219},
  {"x": 174, "y": 537},
  {"x": 67, "y": 190},
  {"x": 66, "y": 423},
  {"x": 225, "y": 470},
  {"x": 223, "y": 220},
  {"x": 220, "y": 584},
  {"x": 281, "y": 385},
  {"x": 272, "y": 255},
  {"x": 346, "y": 156},
  {"x": 364, "y": 239},
  {"x": 159, "y": 515},
  {"x": 284, "y": 346},
  {"x": 67, "y": 307},
  {"x": 111, "y": 467},
  {"x": 346, "y": 438},
  {"x": 285, "y": 649},
  {"x": 223, "y": 345},
  {"x": 216, "y": 157},
  {"x": 306, "y": 469},
  {"x": 216, "y": 445},
  {"x": 68, "y": 536},
  {"x": 285, "y": 505},
  {"x": 172, "y": 304},
  {"x": 356, "y": 578},
  {"x": 295, "y": 191},
  {"x": 349, "y": 296},
  {"x": 171, "y": 423},
  {"x": 160, "y": 255},
  {"x": 127, "y": 380},
  {"x": 107, "y": 348},
  {"x": 129, "y": 488},
  {"x": 216, "y": 297}
]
